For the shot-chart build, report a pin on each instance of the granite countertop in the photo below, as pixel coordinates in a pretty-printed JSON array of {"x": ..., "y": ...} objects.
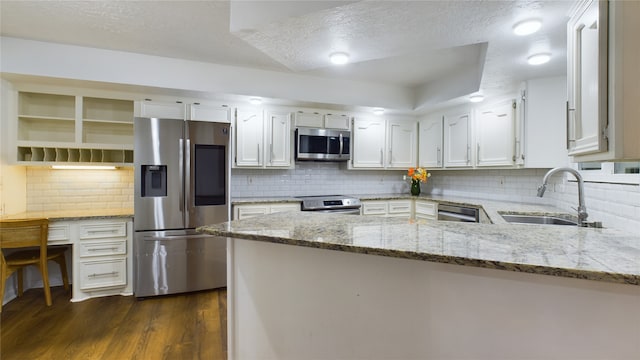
[
  {"x": 71, "y": 215},
  {"x": 584, "y": 253}
]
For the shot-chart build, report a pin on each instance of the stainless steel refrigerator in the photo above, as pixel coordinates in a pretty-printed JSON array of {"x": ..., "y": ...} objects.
[{"x": 181, "y": 176}]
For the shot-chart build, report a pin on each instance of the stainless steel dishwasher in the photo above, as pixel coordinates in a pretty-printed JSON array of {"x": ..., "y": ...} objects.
[{"x": 458, "y": 213}]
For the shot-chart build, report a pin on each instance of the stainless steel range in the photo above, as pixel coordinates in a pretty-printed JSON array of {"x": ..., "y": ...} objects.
[{"x": 331, "y": 203}]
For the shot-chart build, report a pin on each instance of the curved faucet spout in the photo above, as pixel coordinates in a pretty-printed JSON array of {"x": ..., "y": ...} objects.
[{"x": 582, "y": 209}]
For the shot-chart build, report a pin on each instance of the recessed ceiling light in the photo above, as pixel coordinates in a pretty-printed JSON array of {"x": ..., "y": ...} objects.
[
  {"x": 538, "y": 59},
  {"x": 339, "y": 58},
  {"x": 527, "y": 27},
  {"x": 255, "y": 100},
  {"x": 378, "y": 111},
  {"x": 476, "y": 98}
]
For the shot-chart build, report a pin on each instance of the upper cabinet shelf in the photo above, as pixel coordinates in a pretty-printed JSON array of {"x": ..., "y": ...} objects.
[{"x": 62, "y": 126}]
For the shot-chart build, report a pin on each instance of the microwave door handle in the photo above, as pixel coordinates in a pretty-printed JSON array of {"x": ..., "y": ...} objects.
[{"x": 341, "y": 144}]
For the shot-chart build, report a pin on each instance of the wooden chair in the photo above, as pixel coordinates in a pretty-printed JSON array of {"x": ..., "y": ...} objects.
[{"x": 30, "y": 234}]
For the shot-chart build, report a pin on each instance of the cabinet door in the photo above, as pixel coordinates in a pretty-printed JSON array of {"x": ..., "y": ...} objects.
[
  {"x": 430, "y": 142},
  {"x": 402, "y": 147},
  {"x": 309, "y": 119},
  {"x": 587, "y": 79},
  {"x": 210, "y": 113},
  {"x": 334, "y": 121},
  {"x": 279, "y": 139},
  {"x": 457, "y": 140},
  {"x": 249, "y": 138},
  {"x": 165, "y": 110},
  {"x": 496, "y": 137},
  {"x": 368, "y": 143},
  {"x": 374, "y": 208},
  {"x": 426, "y": 210}
]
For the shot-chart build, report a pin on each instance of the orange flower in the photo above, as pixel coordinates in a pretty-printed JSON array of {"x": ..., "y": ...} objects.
[{"x": 418, "y": 174}]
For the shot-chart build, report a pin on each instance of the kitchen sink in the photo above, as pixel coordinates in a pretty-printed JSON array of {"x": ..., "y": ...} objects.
[{"x": 537, "y": 219}]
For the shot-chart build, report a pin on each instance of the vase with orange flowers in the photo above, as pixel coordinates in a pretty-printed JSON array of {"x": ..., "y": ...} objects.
[{"x": 417, "y": 176}]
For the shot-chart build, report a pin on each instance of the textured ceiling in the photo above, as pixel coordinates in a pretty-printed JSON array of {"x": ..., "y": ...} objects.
[{"x": 408, "y": 43}]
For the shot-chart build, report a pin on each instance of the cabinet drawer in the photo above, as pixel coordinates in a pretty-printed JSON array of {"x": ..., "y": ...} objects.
[
  {"x": 59, "y": 234},
  {"x": 374, "y": 208},
  {"x": 103, "y": 248},
  {"x": 103, "y": 273},
  {"x": 400, "y": 207},
  {"x": 244, "y": 212},
  {"x": 101, "y": 231}
]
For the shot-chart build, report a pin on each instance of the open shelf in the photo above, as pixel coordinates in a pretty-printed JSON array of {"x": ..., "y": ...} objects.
[
  {"x": 53, "y": 128},
  {"x": 47, "y": 155}
]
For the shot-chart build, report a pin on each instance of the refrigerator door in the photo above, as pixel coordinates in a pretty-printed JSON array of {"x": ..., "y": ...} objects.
[
  {"x": 158, "y": 158},
  {"x": 207, "y": 165},
  {"x": 171, "y": 262}
]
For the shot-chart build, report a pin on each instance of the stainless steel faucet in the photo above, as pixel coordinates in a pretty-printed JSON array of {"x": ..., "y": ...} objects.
[{"x": 582, "y": 209}]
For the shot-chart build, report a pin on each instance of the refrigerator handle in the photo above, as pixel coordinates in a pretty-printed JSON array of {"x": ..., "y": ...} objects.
[
  {"x": 187, "y": 180},
  {"x": 181, "y": 168}
]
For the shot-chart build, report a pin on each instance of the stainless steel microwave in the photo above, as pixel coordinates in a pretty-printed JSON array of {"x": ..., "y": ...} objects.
[{"x": 323, "y": 144}]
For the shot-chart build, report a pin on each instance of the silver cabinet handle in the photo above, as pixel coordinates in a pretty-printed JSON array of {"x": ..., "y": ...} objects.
[
  {"x": 381, "y": 157},
  {"x": 271, "y": 155},
  {"x": 568, "y": 124},
  {"x": 113, "y": 273},
  {"x": 438, "y": 158},
  {"x": 103, "y": 249},
  {"x": 468, "y": 154},
  {"x": 259, "y": 162}
]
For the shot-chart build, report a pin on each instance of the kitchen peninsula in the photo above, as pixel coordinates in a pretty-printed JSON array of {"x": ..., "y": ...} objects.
[{"x": 331, "y": 286}]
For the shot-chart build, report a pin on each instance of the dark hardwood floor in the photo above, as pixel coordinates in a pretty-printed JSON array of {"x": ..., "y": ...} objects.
[{"x": 186, "y": 326}]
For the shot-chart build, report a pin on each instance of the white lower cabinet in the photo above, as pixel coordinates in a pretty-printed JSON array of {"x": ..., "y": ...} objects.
[
  {"x": 101, "y": 255},
  {"x": 390, "y": 208},
  {"x": 405, "y": 208},
  {"x": 425, "y": 209},
  {"x": 246, "y": 211}
]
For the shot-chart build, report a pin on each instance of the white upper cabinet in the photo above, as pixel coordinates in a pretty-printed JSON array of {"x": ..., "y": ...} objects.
[
  {"x": 540, "y": 127},
  {"x": 211, "y": 113},
  {"x": 320, "y": 119},
  {"x": 587, "y": 75},
  {"x": 430, "y": 142},
  {"x": 263, "y": 142},
  {"x": 249, "y": 133},
  {"x": 337, "y": 121},
  {"x": 309, "y": 119},
  {"x": 457, "y": 139},
  {"x": 401, "y": 144},
  {"x": 495, "y": 134},
  {"x": 603, "y": 76},
  {"x": 160, "y": 109},
  {"x": 279, "y": 138},
  {"x": 368, "y": 143}
]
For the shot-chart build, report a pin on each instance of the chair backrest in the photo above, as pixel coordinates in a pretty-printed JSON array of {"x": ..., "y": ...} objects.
[{"x": 24, "y": 233}]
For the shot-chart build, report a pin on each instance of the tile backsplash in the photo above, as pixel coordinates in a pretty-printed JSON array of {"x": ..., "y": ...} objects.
[
  {"x": 49, "y": 189},
  {"x": 616, "y": 205}
]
